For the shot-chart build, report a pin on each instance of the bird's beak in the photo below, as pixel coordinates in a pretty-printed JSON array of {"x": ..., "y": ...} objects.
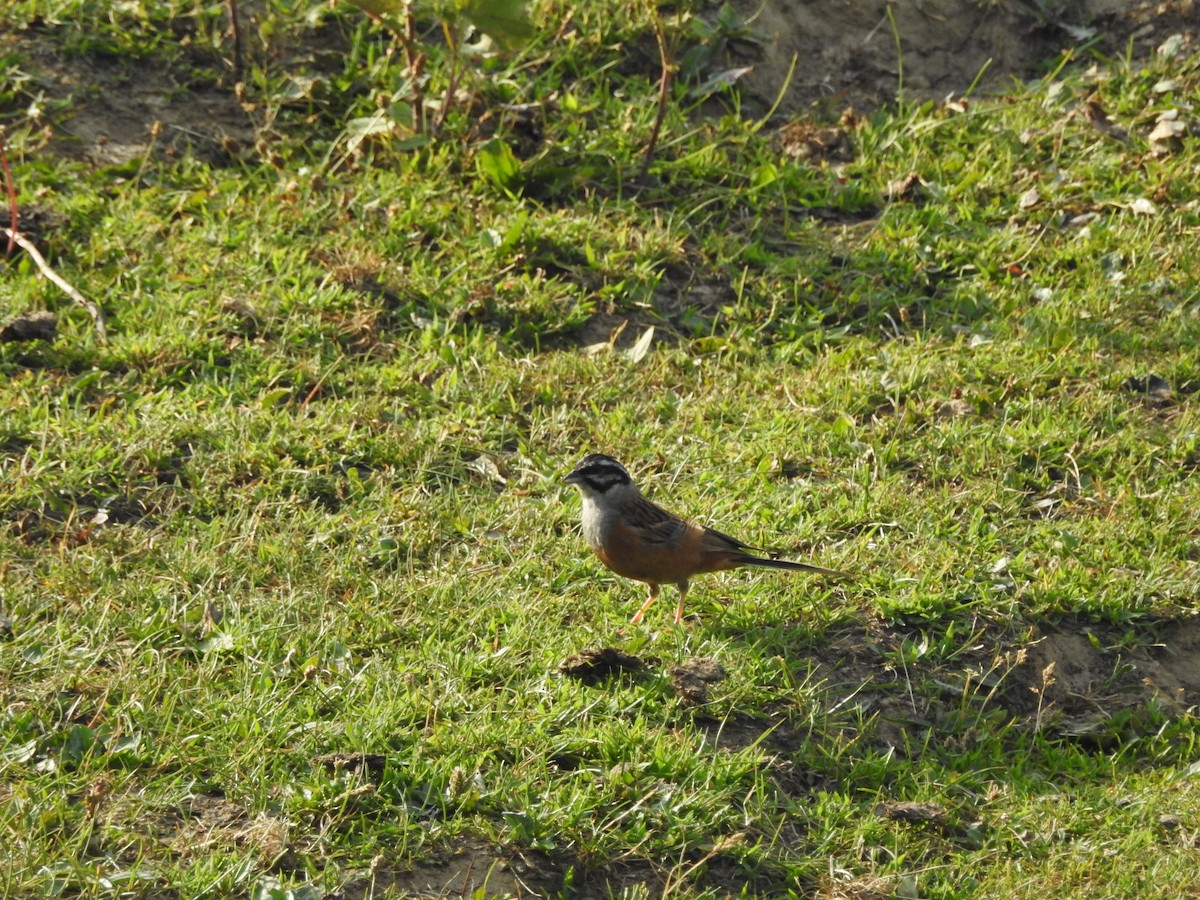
[{"x": 573, "y": 478}]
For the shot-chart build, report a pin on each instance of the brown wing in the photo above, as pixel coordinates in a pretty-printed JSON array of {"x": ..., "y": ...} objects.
[{"x": 655, "y": 525}]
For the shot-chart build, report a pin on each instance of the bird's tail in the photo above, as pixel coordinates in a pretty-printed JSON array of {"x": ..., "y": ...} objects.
[{"x": 765, "y": 563}]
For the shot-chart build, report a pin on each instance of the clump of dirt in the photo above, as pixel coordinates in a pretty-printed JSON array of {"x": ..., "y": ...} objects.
[
  {"x": 594, "y": 665},
  {"x": 907, "y": 811},
  {"x": 1156, "y": 391},
  {"x": 692, "y": 677},
  {"x": 39, "y": 325},
  {"x": 363, "y": 763}
]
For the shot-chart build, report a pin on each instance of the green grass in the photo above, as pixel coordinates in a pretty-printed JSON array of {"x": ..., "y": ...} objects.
[{"x": 251, "y": 530}]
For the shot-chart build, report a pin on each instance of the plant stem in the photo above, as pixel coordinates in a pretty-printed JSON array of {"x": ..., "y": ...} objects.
[{"x": 664, "y": 88}]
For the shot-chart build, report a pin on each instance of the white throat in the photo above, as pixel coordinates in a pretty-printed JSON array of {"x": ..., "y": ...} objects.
[{"x": 602, "y": 511}]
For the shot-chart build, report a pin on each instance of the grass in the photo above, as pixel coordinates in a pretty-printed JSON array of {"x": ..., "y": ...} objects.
[{"x": 277, "y": 631}]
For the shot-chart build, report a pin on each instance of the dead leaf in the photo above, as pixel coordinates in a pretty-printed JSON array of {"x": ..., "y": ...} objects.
[
  {"x": 904, "y": 188},
  {"x": 1143, "y": 207},
  {"x": 485, "y": 467},
  {"x": 1168, "y": 133},
  {"x": 905, "y": 811},
  {"x": 638, "y": 351}
]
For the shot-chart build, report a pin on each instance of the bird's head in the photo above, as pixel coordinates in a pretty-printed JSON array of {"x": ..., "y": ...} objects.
[{"x": 597, "y": 474}]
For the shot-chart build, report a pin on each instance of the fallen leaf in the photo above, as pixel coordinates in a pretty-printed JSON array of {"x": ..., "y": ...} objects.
[
  {"x": 904, "y": 188},
  {"x": 903, "y": 811},
  {"x": 485, "y": 467},
  {"x": 1170, "y": 48},
  {"x": 1143, "y": 207},
  {"x": 638, "y": 351},
  {"x": 1167, "y": 135},
  {"x": 721, "y": 81}
]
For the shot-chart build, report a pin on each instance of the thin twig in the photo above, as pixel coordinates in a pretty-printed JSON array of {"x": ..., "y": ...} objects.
[
  {"x": 452, "y": 85},
  {"x": 14, "y": 214},
  {"x": 664, "y": 88},
  {"x": 416, "y": 66},
  {"x": 236, "y": 30},
  {"x": 92, "y": 309}
]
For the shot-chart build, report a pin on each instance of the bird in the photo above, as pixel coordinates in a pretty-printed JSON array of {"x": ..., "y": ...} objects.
[{"x": 639, "y": 539}]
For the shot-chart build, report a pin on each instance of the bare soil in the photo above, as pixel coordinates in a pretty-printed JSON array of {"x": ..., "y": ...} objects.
[{"x": 845, "y": 51}]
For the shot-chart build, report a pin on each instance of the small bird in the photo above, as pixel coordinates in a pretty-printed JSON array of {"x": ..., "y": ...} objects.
[{"x": 641, "y": 540}]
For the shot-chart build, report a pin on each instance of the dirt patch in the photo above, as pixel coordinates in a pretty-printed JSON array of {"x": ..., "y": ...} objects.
[
  {"x": 207, "y": 824},
  {"x": 1094, "y": 683},
  {"x": 1097, "y": 684},
  {"x": 473, "y": 868},
  {"x": 847, "y": 54},
  {"x": 120, "y": 111},
  {"x": 34, "y": 326},
  {"x": 690, "y": 678}
]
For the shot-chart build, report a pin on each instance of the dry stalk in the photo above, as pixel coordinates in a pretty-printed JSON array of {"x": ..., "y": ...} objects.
[{"x": 44, "y": 267}]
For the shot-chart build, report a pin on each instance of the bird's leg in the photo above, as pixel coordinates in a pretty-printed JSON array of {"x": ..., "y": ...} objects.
[
  {"x": 683, "y": 586},
  {"x": 645, "y": 606}
]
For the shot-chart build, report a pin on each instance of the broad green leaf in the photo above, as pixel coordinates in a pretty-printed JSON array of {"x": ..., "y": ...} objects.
[
  {"x": 496, "y": 161},
  {"x": 506, "y": 22},
  {"x": 763, "y": 175}
]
